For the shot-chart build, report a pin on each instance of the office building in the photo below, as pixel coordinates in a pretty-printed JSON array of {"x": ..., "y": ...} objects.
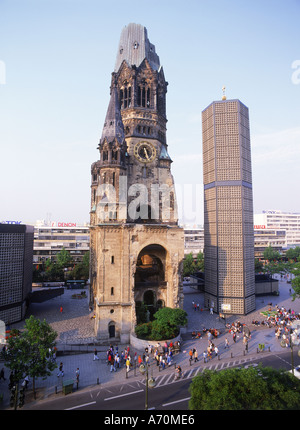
[
  {"x": 288, "y": 222},
  {"x": 193, "y": 241},
  {"x": 16, "y": 252},
  {"x": 51, "y": 237},
  {"x": 228, "y": 208}
]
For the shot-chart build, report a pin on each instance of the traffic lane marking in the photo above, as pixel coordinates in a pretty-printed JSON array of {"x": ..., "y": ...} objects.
[
  {"x": 176, "y": 401},
  {"x": 80, "y": 406},
  {"x": 122, "y": 395}
]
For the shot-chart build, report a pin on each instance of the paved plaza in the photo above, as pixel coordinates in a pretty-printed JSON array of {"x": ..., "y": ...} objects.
[{"x": 75, "y": 332}]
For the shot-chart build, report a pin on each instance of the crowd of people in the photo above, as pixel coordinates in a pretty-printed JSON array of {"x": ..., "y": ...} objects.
[
  {"x": 279, "y": 317},
  {"x": 162, "y": 355},
  {"x": 210, "y": 332}
]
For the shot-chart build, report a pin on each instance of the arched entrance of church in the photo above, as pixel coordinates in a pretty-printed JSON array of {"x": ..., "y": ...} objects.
[{"x": 150, "y": 282}]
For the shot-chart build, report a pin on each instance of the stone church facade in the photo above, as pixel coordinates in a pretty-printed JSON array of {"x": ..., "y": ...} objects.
[{"x": 136, "y": 245}]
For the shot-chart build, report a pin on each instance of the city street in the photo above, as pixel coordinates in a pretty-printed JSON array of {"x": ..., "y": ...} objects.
[
  {"x": 168, "y": 394},
  {"x": 75, "y": 331}
]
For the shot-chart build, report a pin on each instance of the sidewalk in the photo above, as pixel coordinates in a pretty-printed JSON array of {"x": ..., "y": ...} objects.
[{"x": 75, "y": 327}]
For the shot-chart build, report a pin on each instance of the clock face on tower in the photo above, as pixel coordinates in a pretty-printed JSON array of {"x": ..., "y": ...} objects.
[{"x": 144, "y": 152}]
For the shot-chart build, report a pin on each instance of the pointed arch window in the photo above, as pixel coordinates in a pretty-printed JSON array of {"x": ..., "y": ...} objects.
[
  {"x": 114, "y": 155},
  {"x": 125, "y": 97},
  {"x": 144, "y": 96},
  {"x": 105, "y": 155}
]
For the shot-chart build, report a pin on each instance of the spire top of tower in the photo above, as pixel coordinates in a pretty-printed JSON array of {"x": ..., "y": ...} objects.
[
  {"x": 134, "y": 47},
  {"x": 113, "y": 125},
  {"x": 224, "y": 95}
]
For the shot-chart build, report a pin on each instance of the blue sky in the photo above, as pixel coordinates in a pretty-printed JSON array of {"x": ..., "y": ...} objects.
[{"x": 56, "y": 60}]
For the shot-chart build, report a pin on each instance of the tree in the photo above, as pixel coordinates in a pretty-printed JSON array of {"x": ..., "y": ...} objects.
[
  {"x": 286, "y": 267},
  {"x": 188, "y": 265},
  {"x": 296, "y": 281},
  {"x": 82, "y": 269},
  {"x": 55, "y": 272},
  {"x": 191, "y": 266},
  {"x": 199, "y": 262},
  {"x": 245, "y": 389},
  {"x": 271, "y": 254},
  {"x": 167, "y": 322},
  {"x": 165, "y": 325},
  {"x": 259, "y": 267},
  {"x": 293, "y": 253},
  {"x": 64, "y": 258},
  {"x": 28, "y": 352}
]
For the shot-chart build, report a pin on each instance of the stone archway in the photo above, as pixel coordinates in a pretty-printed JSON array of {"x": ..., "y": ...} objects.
[{"x": 150, "y": 281}]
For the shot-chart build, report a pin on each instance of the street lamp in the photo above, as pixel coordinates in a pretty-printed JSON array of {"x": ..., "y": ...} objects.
[{"x": 149, "y": 382}]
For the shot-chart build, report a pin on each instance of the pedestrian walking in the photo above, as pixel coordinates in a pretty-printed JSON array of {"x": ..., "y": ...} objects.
[
  {"x": 211, "y": 311},
  {"x": 196, "y": 355},
  {"x": 26, "y": 381},
  {"x": 234, "y": 337},
  {"x": 2, "y": 374},
  {"x": 169, "y": 360},
  {"x": 216, "y": 351},
  {"x": 95, "y": 355},
  {"x": 61, "y": 309},
  {"x": 77, "y": 374},
  {"x": 60, "y": 370},
  {"x": 226, "y": 343},
  {"x": 128, "y": 364}
]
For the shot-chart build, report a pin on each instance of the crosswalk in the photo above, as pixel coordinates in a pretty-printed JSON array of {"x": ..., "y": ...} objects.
[{"x": 169, "y": 378}]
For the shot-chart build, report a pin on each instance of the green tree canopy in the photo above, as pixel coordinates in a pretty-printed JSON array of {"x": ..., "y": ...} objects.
[
  {"x": 28, "y": 350},
  {"x": 64, "y": 258},
  {"x": 296, "y": 280},
  {"x": 293, "y": 253},
  {"x": 259, "y": 267},
  {"x": 271, "y": 254},
  {"x": 191, "y": 266},
  {"x": 245, "y": 389},
  {"x": 165, "y": 325},
  {"x": 82, "y": 269}
]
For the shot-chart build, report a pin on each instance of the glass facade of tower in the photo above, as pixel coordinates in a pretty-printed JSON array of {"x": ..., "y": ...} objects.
[{"x": 228, "y": 208}]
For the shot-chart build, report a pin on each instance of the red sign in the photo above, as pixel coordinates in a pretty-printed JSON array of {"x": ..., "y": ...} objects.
[
  {"x": 259, "y": 227},
  {"x": 63, "y": 224},
  {"x": 66, "y": 224}
]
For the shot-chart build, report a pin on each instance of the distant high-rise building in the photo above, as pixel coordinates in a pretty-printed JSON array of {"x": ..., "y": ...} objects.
[
  {"x": 228, "y": 208},
  {"x": 16, "y": 252},
  {"x": 286, "y": 222}
]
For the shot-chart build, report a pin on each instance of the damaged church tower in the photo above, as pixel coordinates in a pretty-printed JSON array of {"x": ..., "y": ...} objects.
[{"x": 136, "y": 245}]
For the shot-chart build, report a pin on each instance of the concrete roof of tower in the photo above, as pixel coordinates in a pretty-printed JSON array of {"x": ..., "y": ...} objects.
[{"x": 134, "y": 47}]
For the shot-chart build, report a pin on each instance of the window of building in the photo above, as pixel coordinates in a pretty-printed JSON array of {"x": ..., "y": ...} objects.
[
  {"x": 125, "y": 97},
  {"x": 143, "y": 96}
]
